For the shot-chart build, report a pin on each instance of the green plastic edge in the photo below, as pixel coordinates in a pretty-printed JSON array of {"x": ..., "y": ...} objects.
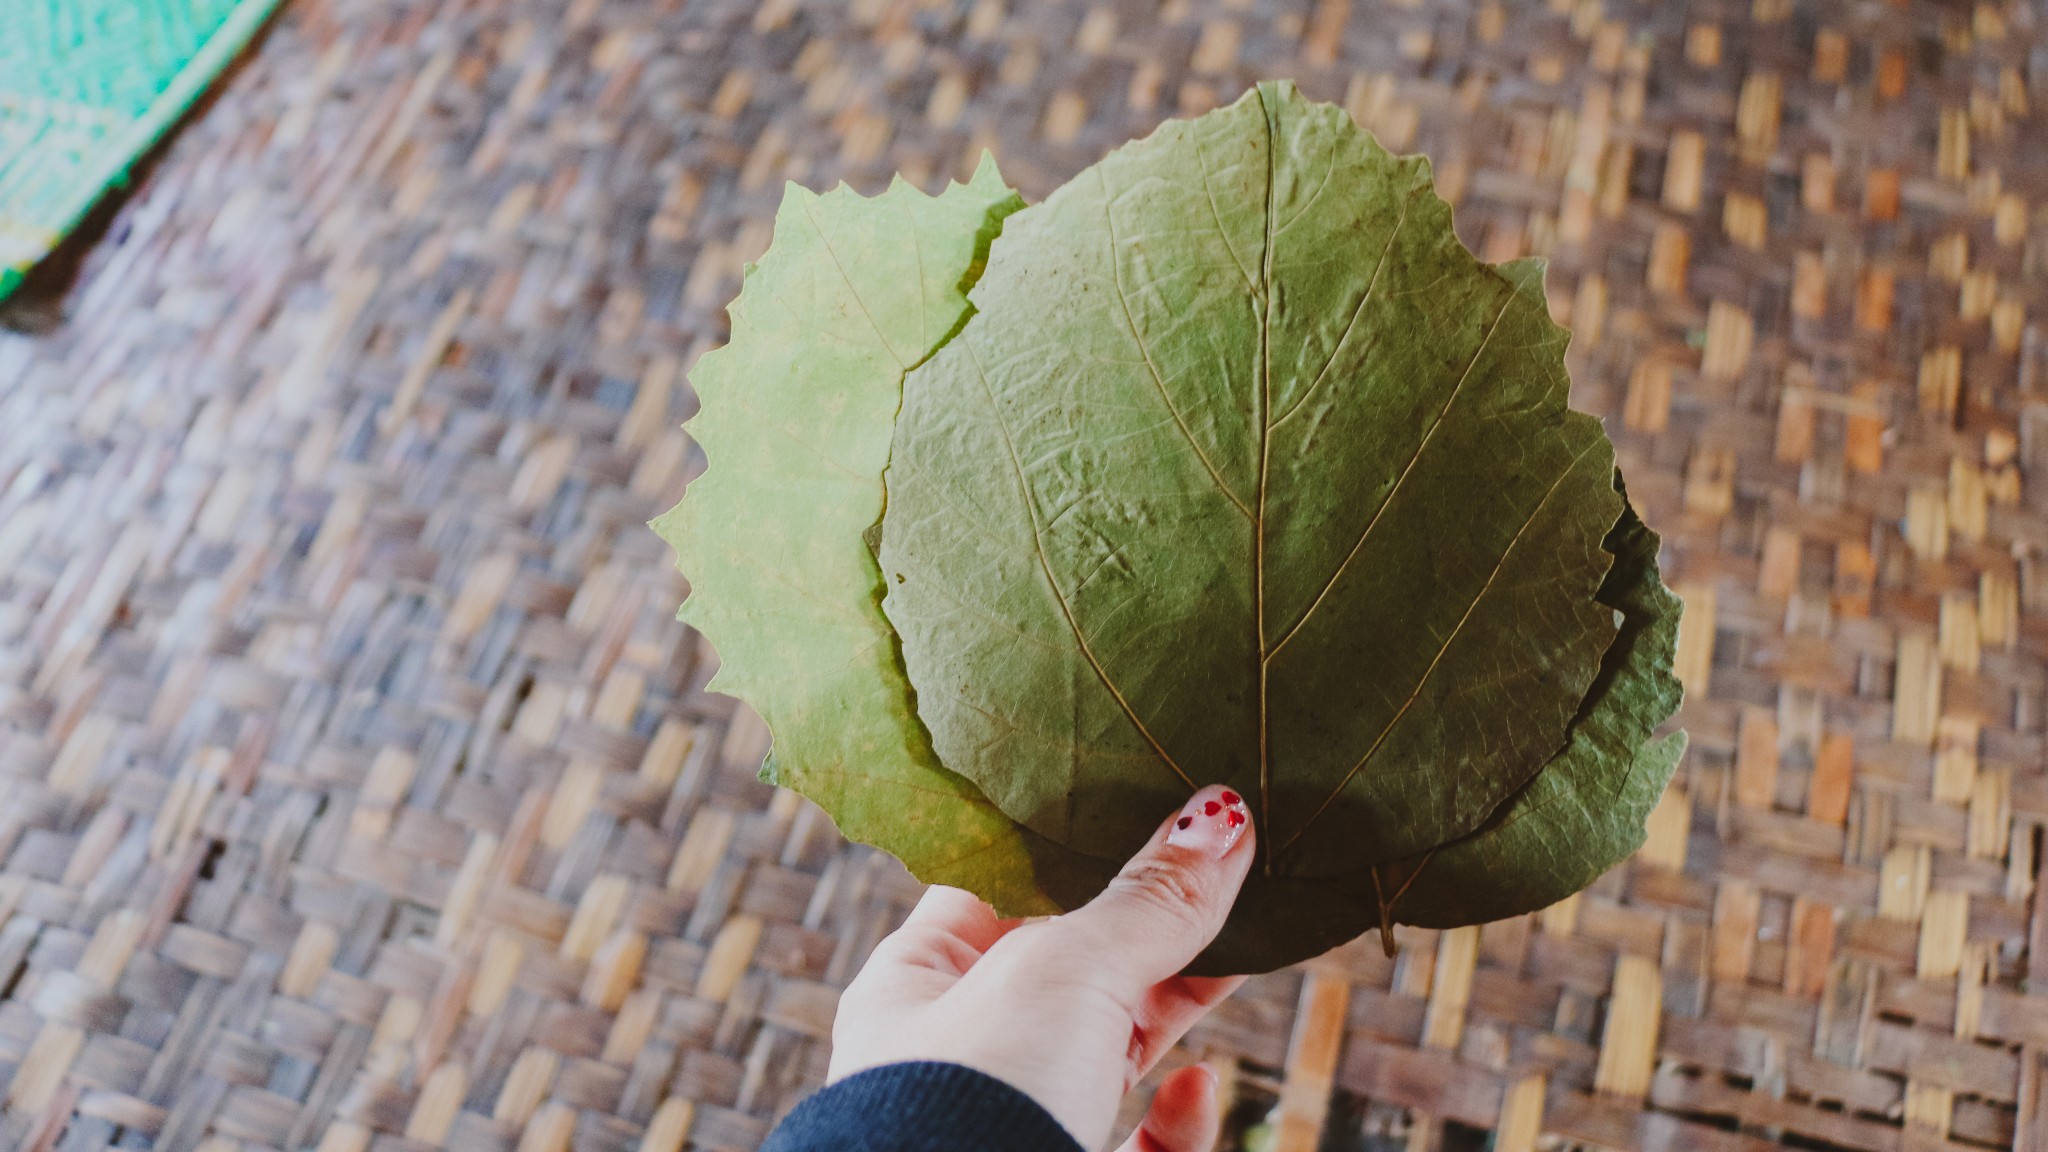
[{"x": 143, "y": 133}]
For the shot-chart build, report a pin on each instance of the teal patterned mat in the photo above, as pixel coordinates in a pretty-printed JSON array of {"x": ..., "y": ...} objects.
[{"x": 86, "y": 86}]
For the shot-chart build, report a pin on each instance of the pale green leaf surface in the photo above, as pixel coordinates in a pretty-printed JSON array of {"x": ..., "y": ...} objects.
[
  {"x": 1246, "y": 471},
  {"x": 796, "y": 420}
]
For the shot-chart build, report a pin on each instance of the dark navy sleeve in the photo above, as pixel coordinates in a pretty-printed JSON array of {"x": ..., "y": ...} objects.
[{"x": 920, "y": 1107}]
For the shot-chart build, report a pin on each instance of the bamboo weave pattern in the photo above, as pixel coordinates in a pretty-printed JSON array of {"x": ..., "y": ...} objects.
[{"x": 358, "y": 791}]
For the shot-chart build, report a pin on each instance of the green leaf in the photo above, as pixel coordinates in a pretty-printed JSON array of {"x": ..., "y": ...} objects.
[
  {"x": 1246, "y": 471},
  {"x": 796, "y": 420},
  {"x": 1239, "y": 468},
  {"x": 1583, "y": 814}
]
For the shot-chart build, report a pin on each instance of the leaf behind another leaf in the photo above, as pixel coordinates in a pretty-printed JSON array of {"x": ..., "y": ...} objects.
[{"x": 797, "y": 414}]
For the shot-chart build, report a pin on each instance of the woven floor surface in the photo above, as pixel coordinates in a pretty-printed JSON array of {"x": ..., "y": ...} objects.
[{"x": 358, "y": 790}]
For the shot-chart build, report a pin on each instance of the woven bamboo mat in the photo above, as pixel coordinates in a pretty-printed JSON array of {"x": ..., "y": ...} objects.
[{"x": 360, "y": 792}]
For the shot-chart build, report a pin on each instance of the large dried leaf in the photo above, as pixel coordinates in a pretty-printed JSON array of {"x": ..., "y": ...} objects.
[
  {"x": 797, "y": 412},
  {"x": 1246, "y": 471}
]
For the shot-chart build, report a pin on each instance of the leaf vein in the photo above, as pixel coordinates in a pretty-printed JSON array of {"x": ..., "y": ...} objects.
[
  {"x": 1045, "y": 567},
  {"x": 1371, "y": 286},
  {"x": 1216, "y": 214},
  {"x": 1498, "y": 566},
  {"x": 1158, "y": 382},
  {"x": 826, "y": 242},
  {"x": 1406, "y": 471},
  {"x": 1313, "y": 197}
]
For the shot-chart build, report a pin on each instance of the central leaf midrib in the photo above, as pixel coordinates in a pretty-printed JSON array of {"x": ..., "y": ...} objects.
[{"x": 1264, "y": 406}]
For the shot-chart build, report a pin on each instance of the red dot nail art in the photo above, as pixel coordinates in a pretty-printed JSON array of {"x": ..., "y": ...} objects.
[{"x": 1213, "y": 820}]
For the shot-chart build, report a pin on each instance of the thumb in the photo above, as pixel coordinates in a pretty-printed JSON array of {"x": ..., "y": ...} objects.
[
  {"x": 1165, "y": 906},
  {"x": 1183, "y": 1116}
]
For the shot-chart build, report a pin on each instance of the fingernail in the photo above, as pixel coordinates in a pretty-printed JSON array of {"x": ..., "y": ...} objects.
[{"x": 1211, "y": 822}]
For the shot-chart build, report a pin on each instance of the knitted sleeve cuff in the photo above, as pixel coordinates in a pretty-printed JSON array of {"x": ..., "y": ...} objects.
[{"x": 920, "y": 1107}]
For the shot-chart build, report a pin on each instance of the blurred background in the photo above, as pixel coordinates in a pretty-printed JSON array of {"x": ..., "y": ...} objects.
[{"x": 357, "y": 788}]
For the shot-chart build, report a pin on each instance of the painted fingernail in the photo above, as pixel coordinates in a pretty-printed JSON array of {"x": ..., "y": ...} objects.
[{"x": 1213, "y": 820}]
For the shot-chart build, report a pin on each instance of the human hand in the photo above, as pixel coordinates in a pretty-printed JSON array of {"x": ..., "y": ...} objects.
[{"x": 1071, "y": 1010}]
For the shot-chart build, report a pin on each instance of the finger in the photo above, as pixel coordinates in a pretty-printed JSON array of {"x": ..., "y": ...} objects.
[
  {"x": 1168, "y": 902},
  {"x": 958, "y": 913},
  {"x": 948, "y": 930},
  {"x": 912, "y": 966},
  {"x": 1169, "y": 1009},
  {"x": 1183, "y": 1116}
]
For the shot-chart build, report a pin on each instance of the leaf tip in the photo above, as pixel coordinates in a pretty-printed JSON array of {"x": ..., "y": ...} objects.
[
  {"x": 1526, "y": 273},
  {"x": 985, "y": 171},
  {"x": 795, "y": 193},
  {"x": 1281, "y": 90}
]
